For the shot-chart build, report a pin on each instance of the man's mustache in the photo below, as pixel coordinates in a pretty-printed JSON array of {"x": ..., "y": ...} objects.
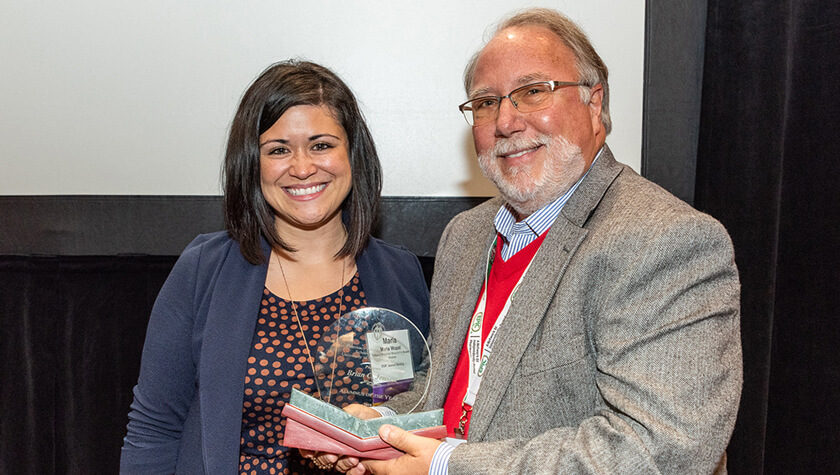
[{"x": 518, "y": 144}]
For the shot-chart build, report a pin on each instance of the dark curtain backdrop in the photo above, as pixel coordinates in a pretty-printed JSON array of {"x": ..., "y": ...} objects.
[
  {"x": 768, "y": 168},
  {"x": 71, "y": 332}
]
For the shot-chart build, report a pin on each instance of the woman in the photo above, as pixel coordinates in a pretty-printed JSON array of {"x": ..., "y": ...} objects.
[{"x": 231, "y": 330}]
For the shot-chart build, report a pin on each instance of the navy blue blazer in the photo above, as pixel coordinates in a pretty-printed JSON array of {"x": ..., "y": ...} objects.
[{"x": 187, "y": 410}]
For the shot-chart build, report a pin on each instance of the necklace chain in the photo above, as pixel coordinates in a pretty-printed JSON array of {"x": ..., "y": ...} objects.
[{"x": 300, "y": 325}]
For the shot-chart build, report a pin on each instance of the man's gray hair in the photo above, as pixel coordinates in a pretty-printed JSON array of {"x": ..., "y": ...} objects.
[{"x": 590, "y": 66}]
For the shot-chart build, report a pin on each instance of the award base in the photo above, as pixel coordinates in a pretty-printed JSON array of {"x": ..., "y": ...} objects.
[{"x": 312, "y": 424}]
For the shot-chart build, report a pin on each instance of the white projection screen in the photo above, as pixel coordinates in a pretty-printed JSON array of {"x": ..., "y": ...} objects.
[{"x": 135, "y": 98}]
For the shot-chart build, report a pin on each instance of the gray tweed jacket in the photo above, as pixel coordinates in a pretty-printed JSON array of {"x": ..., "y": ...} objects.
[{"x": 621, "y": 352}]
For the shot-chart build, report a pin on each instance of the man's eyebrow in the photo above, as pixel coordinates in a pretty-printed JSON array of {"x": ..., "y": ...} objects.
[
  {"x": 483, "y": 92},
  {"x": 533, "y": 77}
]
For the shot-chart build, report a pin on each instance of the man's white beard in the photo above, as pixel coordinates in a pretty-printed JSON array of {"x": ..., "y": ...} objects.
[{"x": 527, "y": 190}]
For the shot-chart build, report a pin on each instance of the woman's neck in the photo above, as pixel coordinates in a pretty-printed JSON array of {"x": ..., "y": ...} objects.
[
  {"x": 312, "y": 245},
  {"x": 312, "y": 270}
]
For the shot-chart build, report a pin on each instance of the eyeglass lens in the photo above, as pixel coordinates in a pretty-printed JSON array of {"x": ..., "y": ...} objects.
[{"x": 530, "y": 98}]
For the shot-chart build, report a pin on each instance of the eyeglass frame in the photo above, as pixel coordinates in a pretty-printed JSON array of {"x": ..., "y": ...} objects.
[{"x": 555, "y": 86}]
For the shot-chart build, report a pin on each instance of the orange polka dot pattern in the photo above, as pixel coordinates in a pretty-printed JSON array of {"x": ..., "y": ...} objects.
[{"x": 278, "y": 363}]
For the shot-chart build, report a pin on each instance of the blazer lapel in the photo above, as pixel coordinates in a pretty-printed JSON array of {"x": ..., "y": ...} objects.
[
  {"x": 231, "y": 319},
  {"x": 590, "y": 192},
  {"x": 538, "y": 289},
  {"x": 462, "y": 295},
  {"x": 527, "y": 310}
]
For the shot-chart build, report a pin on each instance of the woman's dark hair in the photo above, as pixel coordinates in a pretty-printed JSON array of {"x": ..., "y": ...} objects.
[{"x": 284, "y": 85}]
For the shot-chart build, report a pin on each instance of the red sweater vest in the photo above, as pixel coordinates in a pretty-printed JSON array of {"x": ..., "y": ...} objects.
[{"x": 503, "y": 277}]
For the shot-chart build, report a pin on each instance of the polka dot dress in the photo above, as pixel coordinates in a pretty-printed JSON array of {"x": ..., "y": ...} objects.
[{"x": 277, "y": 363}]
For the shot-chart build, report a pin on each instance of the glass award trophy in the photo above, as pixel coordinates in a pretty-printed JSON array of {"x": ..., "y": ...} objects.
[
  {"x": 370, "y": 355},
  {"x": 367, "y": 356}
]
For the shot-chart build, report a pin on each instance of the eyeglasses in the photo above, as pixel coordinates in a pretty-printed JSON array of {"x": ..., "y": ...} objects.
[{"x": 529, "y": 98}]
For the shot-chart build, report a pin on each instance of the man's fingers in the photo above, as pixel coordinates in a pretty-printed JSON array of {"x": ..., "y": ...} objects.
[
  {"x": 418, "y": 453},
  {"x": 397, "y": 437}
]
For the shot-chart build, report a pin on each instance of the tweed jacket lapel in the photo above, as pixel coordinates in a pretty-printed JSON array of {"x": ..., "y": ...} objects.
[
  {"x": 463, "y": 293},
  {"x": 589, "y": 194},
  {"x": 538, "y": 289}
]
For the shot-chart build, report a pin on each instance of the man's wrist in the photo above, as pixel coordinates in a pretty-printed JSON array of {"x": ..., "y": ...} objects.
[{"x": 440, "y": 460}]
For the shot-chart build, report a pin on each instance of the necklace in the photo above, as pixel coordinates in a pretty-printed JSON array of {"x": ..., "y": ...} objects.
[{"x": 300, "y": 325}]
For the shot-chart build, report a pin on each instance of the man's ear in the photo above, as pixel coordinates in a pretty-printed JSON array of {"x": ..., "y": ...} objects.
[{"x": 596, "y": 96}]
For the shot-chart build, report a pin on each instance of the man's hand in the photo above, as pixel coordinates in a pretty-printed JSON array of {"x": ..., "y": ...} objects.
[
  {"x": 418, "y": 453},
  {"x": 348, "y": 465}
]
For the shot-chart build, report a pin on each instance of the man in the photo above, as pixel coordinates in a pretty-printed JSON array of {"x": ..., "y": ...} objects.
[{"x": 613, "y": 306}]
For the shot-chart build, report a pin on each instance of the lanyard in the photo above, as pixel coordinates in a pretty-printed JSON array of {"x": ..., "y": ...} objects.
[{"x": 478, "y": 358}]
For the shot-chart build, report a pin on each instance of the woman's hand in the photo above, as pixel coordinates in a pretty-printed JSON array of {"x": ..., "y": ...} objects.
[{"x": 349, "y": 465}]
